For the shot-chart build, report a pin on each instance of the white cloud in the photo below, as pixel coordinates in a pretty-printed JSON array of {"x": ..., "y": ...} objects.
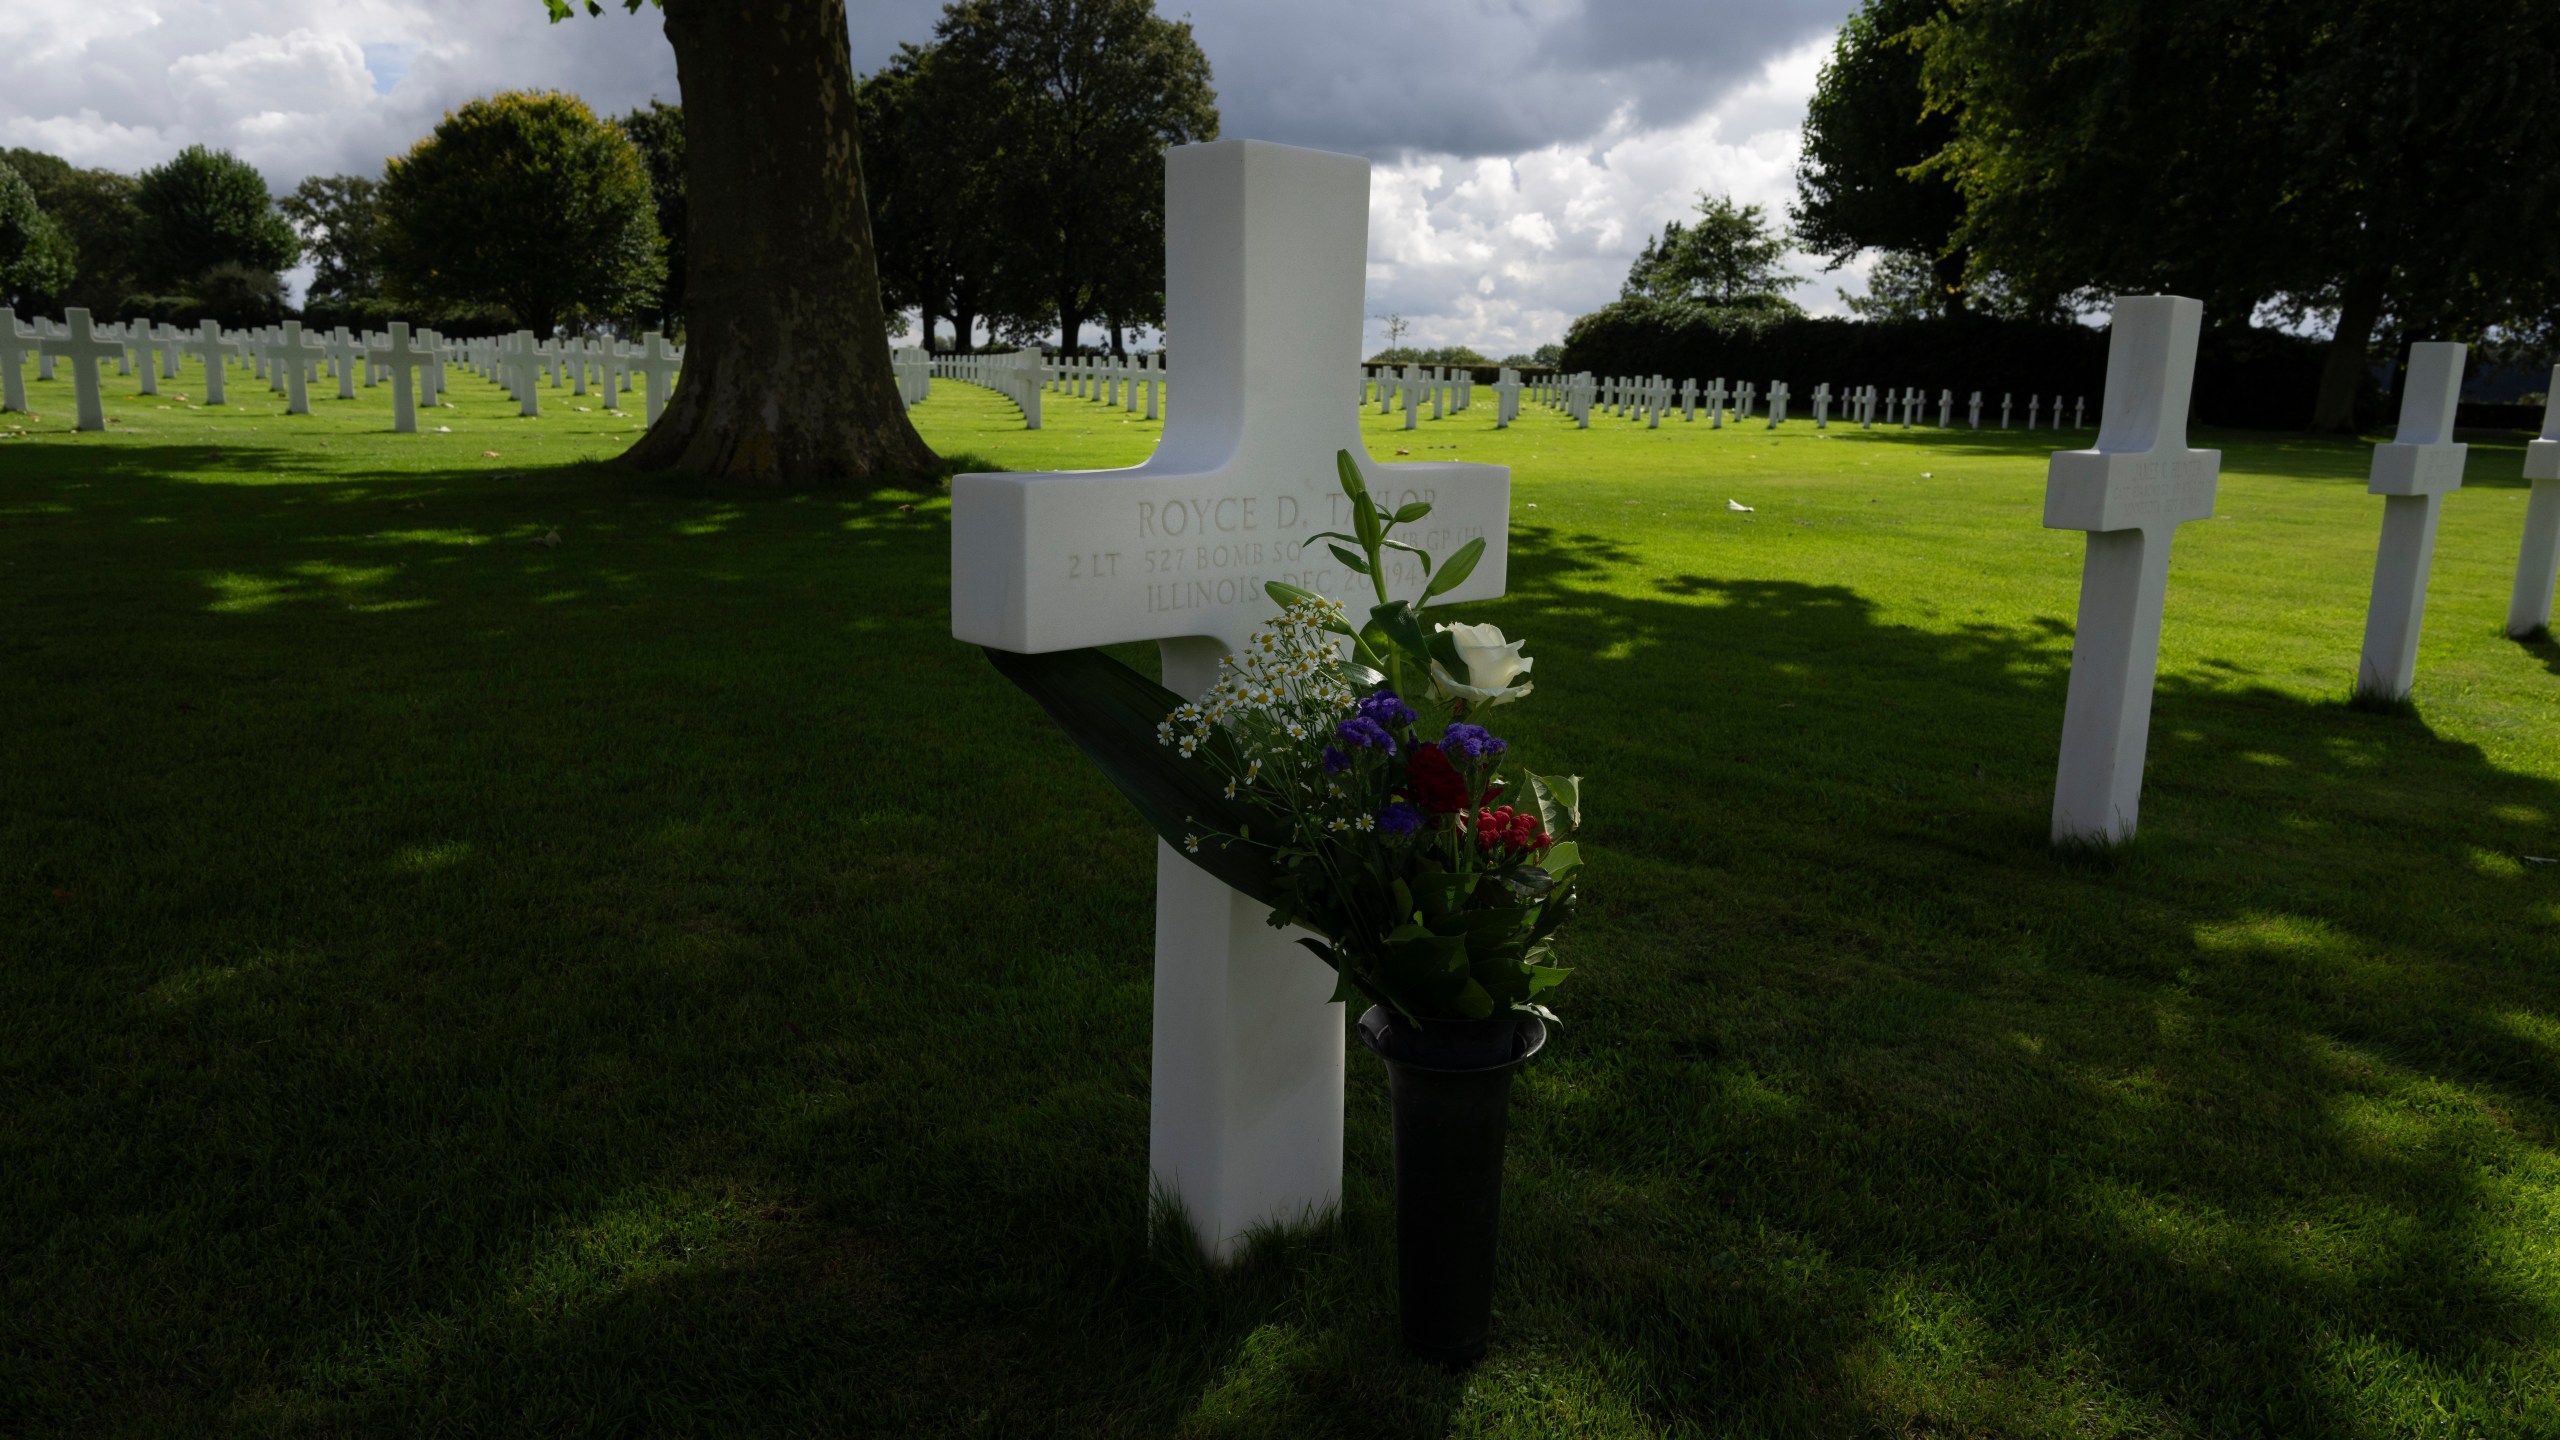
[
  {"x": 1524, "y": 148},
  {"x": 1502, "y": 253}
]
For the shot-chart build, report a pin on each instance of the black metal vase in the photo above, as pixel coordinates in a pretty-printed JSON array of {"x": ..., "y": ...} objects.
[{"x": 1450, "y": 1087}]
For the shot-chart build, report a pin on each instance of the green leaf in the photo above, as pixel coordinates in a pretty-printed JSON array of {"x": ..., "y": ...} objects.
[
  {"x": 1428, "y": 968},
  {"x": 1472, "y": 1002},
  {"x": 1284, "y": 594},
  {"x": 1559, "y": 802},
  {"x": 1437, "y": 897},
  {"x": 1563, "y": 858},
  {"x": 1396, "y": 619},
  {"x": 1413, "y": 550},
  {"x": 1529, "y": 882},
  {"x": 1410, "y": 513},
  {"x": 1358, "y": 565},
  {"x": 1364, "y": 520},
  {"x": 1454, "y": 570},
  {"x": 1332, "y": 535}
]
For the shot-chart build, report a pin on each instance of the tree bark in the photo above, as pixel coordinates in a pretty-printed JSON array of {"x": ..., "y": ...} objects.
[
  {"x": 2359, "y": 306},
  {"x": 786, "y": 377}
]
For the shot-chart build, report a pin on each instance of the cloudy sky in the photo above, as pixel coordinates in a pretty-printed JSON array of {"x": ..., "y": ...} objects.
[{"x": 1524, "y": 148}]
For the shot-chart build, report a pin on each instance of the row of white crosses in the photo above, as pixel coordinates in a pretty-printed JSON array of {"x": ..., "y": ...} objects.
[
  {"x": 289, "y": 358},
  {"x": 1653, "y": 398},
  {"x": 1113, "y": 380},
  {"x": 1018, "y": 377},
  {"x": 2141, "y": 481},
  {"x": 1449, "y": 389},
  {"x": 2413, "y": 473}
]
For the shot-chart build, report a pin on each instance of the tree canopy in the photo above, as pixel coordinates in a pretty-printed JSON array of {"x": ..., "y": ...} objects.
[
  {"x": 204, "y": 208},
  {"x": 2370, "y": 161},
  {"x": 35, "y": 256},
  {"x": 339, "y": 218},
  {"x": 1902, "y": 286},
  {"x": 1085, "y": 97},
  {"x": 94, "y": 209},
  {"x": 1726, "y": 258},
  {"x": 1867, "y": 132},
  {"x": 657, "y": 133},
  {"x": 934, "y": 160},
  {"x": 524, "y": 200}
]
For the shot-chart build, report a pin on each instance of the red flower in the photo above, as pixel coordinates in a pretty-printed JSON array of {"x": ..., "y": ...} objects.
[
  {"x": 1503, "y": 829},
  {"x": 1432, "y": 780}
]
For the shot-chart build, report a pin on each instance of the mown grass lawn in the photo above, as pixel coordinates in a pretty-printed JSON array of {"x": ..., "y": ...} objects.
[{"x": 657, "y": 983}]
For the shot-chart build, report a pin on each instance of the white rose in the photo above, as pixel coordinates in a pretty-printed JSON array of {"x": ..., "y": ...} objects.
[{"x": 1492, "y": 665}]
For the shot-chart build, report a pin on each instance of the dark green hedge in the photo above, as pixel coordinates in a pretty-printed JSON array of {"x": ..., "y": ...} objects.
[{"x": 2253, "y": 378}]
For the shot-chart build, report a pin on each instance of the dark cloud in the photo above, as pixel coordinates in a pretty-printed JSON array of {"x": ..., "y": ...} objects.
[{"x": 1452, "y": 77}]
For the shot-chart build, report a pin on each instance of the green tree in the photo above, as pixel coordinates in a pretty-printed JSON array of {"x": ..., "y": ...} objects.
[
  {"x": 205, "y": 208},
  {"x": 524, "y": 200},
  {"x": 1088, "y": 94},
  {"x": 36, "y": 260},
  {"x": 95, "y": 211},
  {"x": 786, "y": 376},
  {"x": 1727, "y": 258},
  {"x": 2372, "y": 160},
  {"x": 1902, "y": 286},
  {"x": 1867, "y": 134},
  {"x": 930, "y": 158},
  {"x": 339, "y": 218},
  {"x": 658, "y": 134}
]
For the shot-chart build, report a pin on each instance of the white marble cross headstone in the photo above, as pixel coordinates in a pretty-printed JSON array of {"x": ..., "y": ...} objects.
[
  {"x": 1974, "y": 412},
  {"x": 344, "y": 358},
  {"x": 2538, "y": 564},
  {"x": 1822, "y": 406},
  {"x": 2421, "y": 465},
  {"x": 657, "y": 364},
  {"x": 296, "y": 353},
  {"x": 15, "y": 346},
  {"x": 1265, "y": 254},
  {"x": 208, "y": 345},
  {"x": 2130, "y": 493},
  {"x": 524, "y": 365},
  {"x": 400, "y": 358},
  {"x": 137, "y": 342},
  {"x": 81, "y": 346},
  {"x": 2004, "y": 411}
]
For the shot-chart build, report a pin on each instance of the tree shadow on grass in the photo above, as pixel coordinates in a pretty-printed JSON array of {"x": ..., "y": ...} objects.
[{"x": 660, "y": 983}]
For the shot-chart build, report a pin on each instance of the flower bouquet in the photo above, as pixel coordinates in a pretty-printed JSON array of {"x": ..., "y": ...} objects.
[
  {"x": 1433, "y": 877},
  {"x": 1339, "y": 771}
]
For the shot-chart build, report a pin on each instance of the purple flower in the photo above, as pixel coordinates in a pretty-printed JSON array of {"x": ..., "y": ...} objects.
[
  {"x": 1335, "y": 762},
  {"x": 1362, "y": 733},
  {"x": 1399, "y": 819},
  {"x": 1471, "y": 742},
  {"x": 1387, "y": 708}
]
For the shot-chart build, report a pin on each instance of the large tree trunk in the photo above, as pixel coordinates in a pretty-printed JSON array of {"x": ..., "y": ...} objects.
[
  {"x": 786, "y": 374},
  {"x": 2359, "y": 305}
]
